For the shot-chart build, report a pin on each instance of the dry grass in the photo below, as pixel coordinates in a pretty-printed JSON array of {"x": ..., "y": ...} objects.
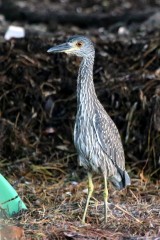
[
  {"x": 55, "y": 207},
  {"x": 37, "y": 110}
]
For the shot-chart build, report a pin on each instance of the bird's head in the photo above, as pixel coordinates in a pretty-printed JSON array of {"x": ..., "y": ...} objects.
[{"x": 77, "y": 45}]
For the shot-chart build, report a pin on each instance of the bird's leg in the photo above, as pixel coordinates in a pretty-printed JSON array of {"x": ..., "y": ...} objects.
[
  {"x": 90, "y": 191},
  {"x": 105, "y": 199}
]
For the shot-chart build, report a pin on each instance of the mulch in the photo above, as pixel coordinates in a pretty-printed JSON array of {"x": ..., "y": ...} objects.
[{"x": 37, "y": 115}]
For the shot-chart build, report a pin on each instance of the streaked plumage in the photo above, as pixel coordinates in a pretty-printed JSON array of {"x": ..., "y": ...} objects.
[{"x": 96, "y": 137}]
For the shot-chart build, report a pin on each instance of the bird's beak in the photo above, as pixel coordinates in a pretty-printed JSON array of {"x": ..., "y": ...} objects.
[{"x": 60, "y": 48}]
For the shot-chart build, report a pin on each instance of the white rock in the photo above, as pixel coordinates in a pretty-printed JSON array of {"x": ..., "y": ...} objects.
[
  {"x": 123, "y": 31},
  {"x": 14, "y": 32}
]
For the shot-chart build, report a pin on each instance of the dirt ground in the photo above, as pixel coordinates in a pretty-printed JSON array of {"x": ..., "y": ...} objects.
[{"x": 38, "y": 108}]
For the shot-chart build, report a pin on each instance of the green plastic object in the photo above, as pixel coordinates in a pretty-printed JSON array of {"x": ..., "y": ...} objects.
[{"x": 10, "y": 202}]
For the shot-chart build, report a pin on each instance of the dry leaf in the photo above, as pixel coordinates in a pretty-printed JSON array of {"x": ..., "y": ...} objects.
[{"x": 12, "y": 233}]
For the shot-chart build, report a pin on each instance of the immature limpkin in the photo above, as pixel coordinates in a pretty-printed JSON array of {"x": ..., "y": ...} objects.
[{"x": 96, "y": 137}]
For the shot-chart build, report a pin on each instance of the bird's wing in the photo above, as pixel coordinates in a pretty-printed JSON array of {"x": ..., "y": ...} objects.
[{"x": 109, "y": 138}]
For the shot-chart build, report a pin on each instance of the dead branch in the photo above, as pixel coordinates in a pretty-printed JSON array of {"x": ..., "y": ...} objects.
[{"x": 14, "y": 12}]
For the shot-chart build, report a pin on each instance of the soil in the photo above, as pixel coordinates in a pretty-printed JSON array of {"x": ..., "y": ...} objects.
[{"x": 38, "y": 108}]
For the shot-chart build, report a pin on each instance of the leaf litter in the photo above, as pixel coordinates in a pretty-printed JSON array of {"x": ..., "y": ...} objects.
[{"x": 37, "y": 110}]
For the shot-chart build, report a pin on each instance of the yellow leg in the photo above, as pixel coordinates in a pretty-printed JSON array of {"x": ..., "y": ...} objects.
[
  {"x": 105, "y": 199},
  {"x": 90, "y": 191}
]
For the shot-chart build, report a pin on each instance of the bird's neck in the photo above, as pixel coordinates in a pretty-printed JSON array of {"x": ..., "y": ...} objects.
[{"x": 85, "y": 86}]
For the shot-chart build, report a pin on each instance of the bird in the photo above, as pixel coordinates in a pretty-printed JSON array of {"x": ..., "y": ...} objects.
[{"x": 96, "y": 137}]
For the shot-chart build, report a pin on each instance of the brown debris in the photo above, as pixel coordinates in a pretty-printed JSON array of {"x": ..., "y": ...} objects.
[
  {"x": 156, "y": 111},
  {"x": 37, "y": 115},
  {"x": 12, "y": 233},
  {"x": 14, "y": 11}
]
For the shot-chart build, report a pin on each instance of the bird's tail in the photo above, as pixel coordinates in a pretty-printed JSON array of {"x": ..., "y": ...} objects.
[{"x": 121, "y": 179}]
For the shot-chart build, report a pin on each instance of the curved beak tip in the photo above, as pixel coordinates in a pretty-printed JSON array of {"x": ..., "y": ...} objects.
[{"x": 49, "y": 50}]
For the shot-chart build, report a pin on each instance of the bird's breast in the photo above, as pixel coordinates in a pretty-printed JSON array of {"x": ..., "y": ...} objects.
[
  {"x": 89, "y": 151},
  {"x": 83, "y": 132}
]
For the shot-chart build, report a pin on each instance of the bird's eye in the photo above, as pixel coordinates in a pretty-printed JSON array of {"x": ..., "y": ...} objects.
[{"x": 79, "y": 44}]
